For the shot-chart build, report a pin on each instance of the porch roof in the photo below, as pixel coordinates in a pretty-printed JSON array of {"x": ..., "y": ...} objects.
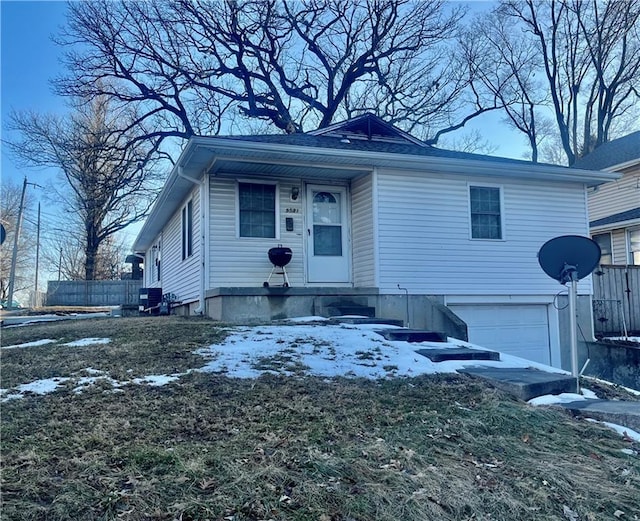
[{"x": 319, "y": 157}]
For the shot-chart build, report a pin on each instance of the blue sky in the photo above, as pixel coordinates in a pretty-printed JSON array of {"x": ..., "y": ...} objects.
[{"x": 28, "y": 60}]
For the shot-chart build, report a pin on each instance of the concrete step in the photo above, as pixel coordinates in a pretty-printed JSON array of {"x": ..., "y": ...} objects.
[
  {"x": 613, "y": 411},
  {"x": 351, "y": 309},
  {"x": 413, "y": 335},
  {"x": 458, "y": 353},
  {"x": 524, "y": 383},
  {"x": 366, "y": 320}
]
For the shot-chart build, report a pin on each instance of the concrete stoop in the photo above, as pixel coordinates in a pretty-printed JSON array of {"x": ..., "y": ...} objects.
[
  {"x": 524, "y": 383},
  {"x": 613, "y": 411}
]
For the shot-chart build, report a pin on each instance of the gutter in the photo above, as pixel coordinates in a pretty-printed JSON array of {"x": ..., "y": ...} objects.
[
  {"x": 203, "y": 250},
  {"x": 461, "y": 166}
]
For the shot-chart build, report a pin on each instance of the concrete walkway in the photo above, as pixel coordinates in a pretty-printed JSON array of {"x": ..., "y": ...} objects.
[
  {"x": 531, "y": 383},
  {"x": 614, "y": 411},
  {"x": 525, "y": 383}
]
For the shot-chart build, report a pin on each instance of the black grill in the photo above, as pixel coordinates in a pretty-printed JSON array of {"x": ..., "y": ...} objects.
[{"x": 279, "y": 257}]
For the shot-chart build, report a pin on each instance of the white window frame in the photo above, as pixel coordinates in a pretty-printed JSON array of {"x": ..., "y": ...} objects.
[
  {"x": 593, "y": 237},
  {"x": 500, "y": 189},
  {"x": 155, "y": 274},
  {"x": 276, "y": 211},
  {"x": 630, "y": 259},
  {"x": 186, "y": 230}
]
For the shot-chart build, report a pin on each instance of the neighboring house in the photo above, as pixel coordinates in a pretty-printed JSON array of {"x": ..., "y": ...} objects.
[
  {"x": 614, "y": 214},
  {"x": 377, "y": 222},
  {"x": 614, "y": 208}
]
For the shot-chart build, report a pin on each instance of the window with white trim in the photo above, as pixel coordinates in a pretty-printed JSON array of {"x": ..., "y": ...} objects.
[
  {"x": 187, "y": 230},
  {"x": 486, "y": 212},
  {"x": 604, "y": 241},
  {"x": 257, "y": 210},
  {"x": 634, "y": 246},
  {"x": 156, "y": 258}
]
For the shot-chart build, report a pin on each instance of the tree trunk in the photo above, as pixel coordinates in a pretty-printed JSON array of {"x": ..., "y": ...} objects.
[{"x": 91, "y": 253}]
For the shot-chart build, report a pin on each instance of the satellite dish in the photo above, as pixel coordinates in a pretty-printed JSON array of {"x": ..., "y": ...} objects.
[{"x": 569, "y": 257}]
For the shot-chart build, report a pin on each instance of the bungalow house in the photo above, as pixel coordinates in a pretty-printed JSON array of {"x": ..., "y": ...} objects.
[
  {"x": 614, "y": 207},
  {"x": 378, "y": 223}
]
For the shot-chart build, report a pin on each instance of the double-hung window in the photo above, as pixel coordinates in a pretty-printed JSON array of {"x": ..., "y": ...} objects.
[
  {"x": 486, "y": 212},
  {"x": 606, "y": 252},
  {"x": 257, "y": 210},
  {"x": 187, "y": 230},
  {"x": 634, "y": 246}
]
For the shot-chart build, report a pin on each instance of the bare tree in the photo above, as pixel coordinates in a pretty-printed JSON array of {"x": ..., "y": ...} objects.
[
  {"x": 9, "y": 205},
  {"x": 196, "y": 65},
  {"x": 589, "y": 53},
  {"x": 109, "y": 172},
  {"x": 508, "y": 67},
  {"x": 63, "y": 251}
]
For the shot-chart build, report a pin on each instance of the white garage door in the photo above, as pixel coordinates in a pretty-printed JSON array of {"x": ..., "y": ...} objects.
[{"x": 516, "y": 329}]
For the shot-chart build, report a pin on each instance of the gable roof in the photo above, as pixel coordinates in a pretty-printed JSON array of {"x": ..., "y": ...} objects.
[
  {"x": 613, "y": 155},
  {"x": 367, "y": 126}
]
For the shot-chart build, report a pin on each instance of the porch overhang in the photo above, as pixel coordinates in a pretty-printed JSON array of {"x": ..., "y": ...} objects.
[{"x": 233, "y": 157}]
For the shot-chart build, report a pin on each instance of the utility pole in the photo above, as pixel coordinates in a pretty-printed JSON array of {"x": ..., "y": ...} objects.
[
  {"x": 35, "y": 294},
  {"x": 14, "y": 257}
]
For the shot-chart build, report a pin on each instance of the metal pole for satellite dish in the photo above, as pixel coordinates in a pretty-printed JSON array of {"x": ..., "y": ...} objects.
[{"x": 573, "y": 291}]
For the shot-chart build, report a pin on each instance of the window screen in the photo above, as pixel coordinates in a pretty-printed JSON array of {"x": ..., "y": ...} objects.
[{"x": 257, "y": 210}]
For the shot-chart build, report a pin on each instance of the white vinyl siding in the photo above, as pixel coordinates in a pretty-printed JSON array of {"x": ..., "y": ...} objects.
[
  {"x": 424, "y": 237},
  {"x": 362, "y": 232},
  {"x": 242, "y": 261},
  {"x": 616, "y": 196},
  {"x": 178, "y": 276}
]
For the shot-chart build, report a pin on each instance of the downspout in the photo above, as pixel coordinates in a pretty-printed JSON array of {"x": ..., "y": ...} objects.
[{"x": 200, "y": 310}]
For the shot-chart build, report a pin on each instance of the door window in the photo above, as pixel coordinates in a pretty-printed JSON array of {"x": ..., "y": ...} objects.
[{"x": 327, "y": 225}]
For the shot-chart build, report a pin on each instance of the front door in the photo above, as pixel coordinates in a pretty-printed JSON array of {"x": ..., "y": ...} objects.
[{"x": 327, "y": 235}]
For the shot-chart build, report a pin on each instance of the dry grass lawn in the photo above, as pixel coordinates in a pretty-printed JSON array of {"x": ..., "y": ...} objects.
[{"x": 210, "y": 447}]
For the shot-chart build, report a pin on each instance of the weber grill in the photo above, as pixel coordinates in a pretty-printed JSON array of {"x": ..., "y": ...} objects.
[{"x": 279, "y": 257}]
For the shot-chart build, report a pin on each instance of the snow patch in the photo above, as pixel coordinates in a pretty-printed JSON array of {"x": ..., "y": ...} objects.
[
  {"x": 156, "y": 380},
  {"x": 623, "y": 431},
  {"x": 87, "y": 342},
  {"x": 31, "y": 344},
  {"x": 551, "y": 399}
]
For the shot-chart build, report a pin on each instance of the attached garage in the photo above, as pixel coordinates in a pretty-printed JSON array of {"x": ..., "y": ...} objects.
[{"x": 517, "y": 329}]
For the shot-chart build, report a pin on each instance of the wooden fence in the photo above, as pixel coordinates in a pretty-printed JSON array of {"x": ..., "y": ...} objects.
[
  {"x": 93, "y": 292},
  {"x": 616, "y": 300}
]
